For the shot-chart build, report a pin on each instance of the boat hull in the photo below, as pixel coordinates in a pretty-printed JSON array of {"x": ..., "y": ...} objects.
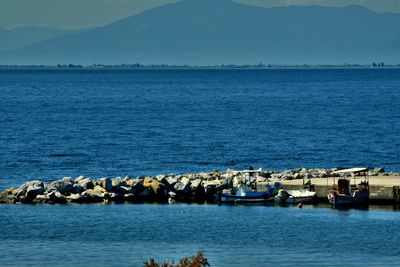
[
  {"x": 304, "y": 200},
  {"x": 295, "y": 197},
  {"x": 359, "y": 200},
  {"x": 247, "y": 198}
]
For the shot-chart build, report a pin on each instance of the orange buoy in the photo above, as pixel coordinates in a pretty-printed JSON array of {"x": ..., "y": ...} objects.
[{"x": 300, "y": 205}]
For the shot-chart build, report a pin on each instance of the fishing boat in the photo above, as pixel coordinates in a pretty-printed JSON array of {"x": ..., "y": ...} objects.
[
  {"x": 304, "y": 196},
  {"x": 345, "y": 194},
  {"x": 248, "y": 191}
]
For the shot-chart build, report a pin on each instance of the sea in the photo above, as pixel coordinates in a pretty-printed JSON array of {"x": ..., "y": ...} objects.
[{"x": 114, "y": 122}]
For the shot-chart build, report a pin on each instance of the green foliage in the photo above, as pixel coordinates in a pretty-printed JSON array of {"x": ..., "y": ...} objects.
[{"x": 199, "y": 260}]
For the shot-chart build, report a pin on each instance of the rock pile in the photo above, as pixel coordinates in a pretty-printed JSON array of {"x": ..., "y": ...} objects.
[
  {"x": 187, "y": 188},
  {"x": 198, "y": 187}
]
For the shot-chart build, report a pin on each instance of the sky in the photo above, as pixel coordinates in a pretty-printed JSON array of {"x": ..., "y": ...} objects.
[{"x": 70, "y": 14}]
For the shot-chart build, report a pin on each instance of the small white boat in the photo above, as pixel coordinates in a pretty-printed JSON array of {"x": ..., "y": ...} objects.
[{"x": 295, "y": 196}]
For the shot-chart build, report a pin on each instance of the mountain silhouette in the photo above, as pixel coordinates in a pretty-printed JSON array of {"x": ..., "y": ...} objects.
[
  {"x": 207, "y": 32},
  {"x": 19, "y": 37}
]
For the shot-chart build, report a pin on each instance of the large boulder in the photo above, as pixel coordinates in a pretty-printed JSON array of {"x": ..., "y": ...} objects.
[
  {"x": 93, "y": 195},
  {"x": 28, "y": 191},
  {"x": 195, "y": 184},
  {"x": 138, "y": 185},
  {"x": 172, "y": 180},
  {"x": 19, "y": 193},
  {"x": 126, "y": 178},
  {"x": 100, "y": 189},
  {"x": 169, "y": 182},
  {"x": 131, "y": 182},
  {"x": 7, "y": 196},
  {"x": 64, "y": 186},
  {"x": 86, "y": 184},
  {"x": 116, "y": 197},
  {"x": 57, "y": 197},
  {"x": 215, "y": 186},
  {"x": 182, "y": 191},
  {"x": 181, "y": 188},
  {"x": 226, "y": 184},
  {"x": 215, "y": 175},
  {"x": 76, "y": 189},
  {"x": 75, "y": 198},
  {"x": 117, "y": 182},
  {"x": 161, "y": 178},
  {"x": 151, "y": 184},
  {"x": 127, "y": 190},
  {"x": 185, "y": 180},
  {"x": 42, "y": 199},
  {"x": 52, "y": 197},
  {"x": 79, "y": 178},
  {"x": 31, "y": 183},
  {"x": 106, "y": 184},
  {"x": 197, "y": 189},
  {"x": 33, "y": 190}
]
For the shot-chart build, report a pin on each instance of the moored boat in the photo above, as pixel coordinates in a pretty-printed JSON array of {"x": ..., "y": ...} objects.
[
  {"x": 304, "y": 196},
  {"x": 248, "y": 191},
  {"x": 345, "y": 194}
]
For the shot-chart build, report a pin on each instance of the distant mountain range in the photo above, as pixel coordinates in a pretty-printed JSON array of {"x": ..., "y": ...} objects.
[
  {"x": 208, "y": 32},
  {"x": 13, "y": 39}
]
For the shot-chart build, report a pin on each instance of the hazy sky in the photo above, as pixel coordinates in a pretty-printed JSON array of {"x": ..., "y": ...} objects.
[{"x": 84, "y": 13}]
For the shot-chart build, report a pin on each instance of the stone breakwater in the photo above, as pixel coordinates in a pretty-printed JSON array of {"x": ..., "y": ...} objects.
[{"x": 198, "y": 187}]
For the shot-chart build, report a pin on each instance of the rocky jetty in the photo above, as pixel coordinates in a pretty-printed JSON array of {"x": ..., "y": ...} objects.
[{"x": 198, "y": 187}]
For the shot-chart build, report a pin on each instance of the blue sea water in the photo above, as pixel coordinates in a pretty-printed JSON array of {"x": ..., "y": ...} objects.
[
  {"x": 56, "y": 123},
  {"x": 127, "y": 235}
]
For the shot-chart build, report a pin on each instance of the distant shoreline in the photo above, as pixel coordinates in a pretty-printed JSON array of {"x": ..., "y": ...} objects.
[{"x": 227, "y": 66}]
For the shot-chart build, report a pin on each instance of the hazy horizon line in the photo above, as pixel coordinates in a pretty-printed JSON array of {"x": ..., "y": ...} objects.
[{"x": 377, "y": 64}]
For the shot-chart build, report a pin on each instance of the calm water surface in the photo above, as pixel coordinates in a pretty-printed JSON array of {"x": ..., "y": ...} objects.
[
  {"x": 56, "y": 123},
  {"x": 127, "y": 235}
]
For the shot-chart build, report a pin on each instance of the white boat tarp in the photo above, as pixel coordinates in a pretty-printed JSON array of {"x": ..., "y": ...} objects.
[
  {"x": 253, "y": 171},
  {"x": 300, "y": 193},
  {"x": 352, "y": 170}
]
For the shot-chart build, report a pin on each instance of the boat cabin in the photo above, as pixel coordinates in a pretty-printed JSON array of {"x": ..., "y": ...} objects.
[
  {"x": 346, "y": 194},
  {"x": 344, "y": 185}
]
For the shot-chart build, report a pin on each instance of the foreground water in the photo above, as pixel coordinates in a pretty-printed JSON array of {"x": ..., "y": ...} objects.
[
  {"x": 56, "y": 123},
  {"x": 127, "y": 235}
]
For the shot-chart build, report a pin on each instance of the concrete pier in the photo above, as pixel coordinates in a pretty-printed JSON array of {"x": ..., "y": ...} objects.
[{"x": 383, "y": 189}]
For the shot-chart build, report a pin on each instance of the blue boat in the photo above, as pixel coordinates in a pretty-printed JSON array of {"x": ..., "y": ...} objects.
[{"x": 249, "y": 192}]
